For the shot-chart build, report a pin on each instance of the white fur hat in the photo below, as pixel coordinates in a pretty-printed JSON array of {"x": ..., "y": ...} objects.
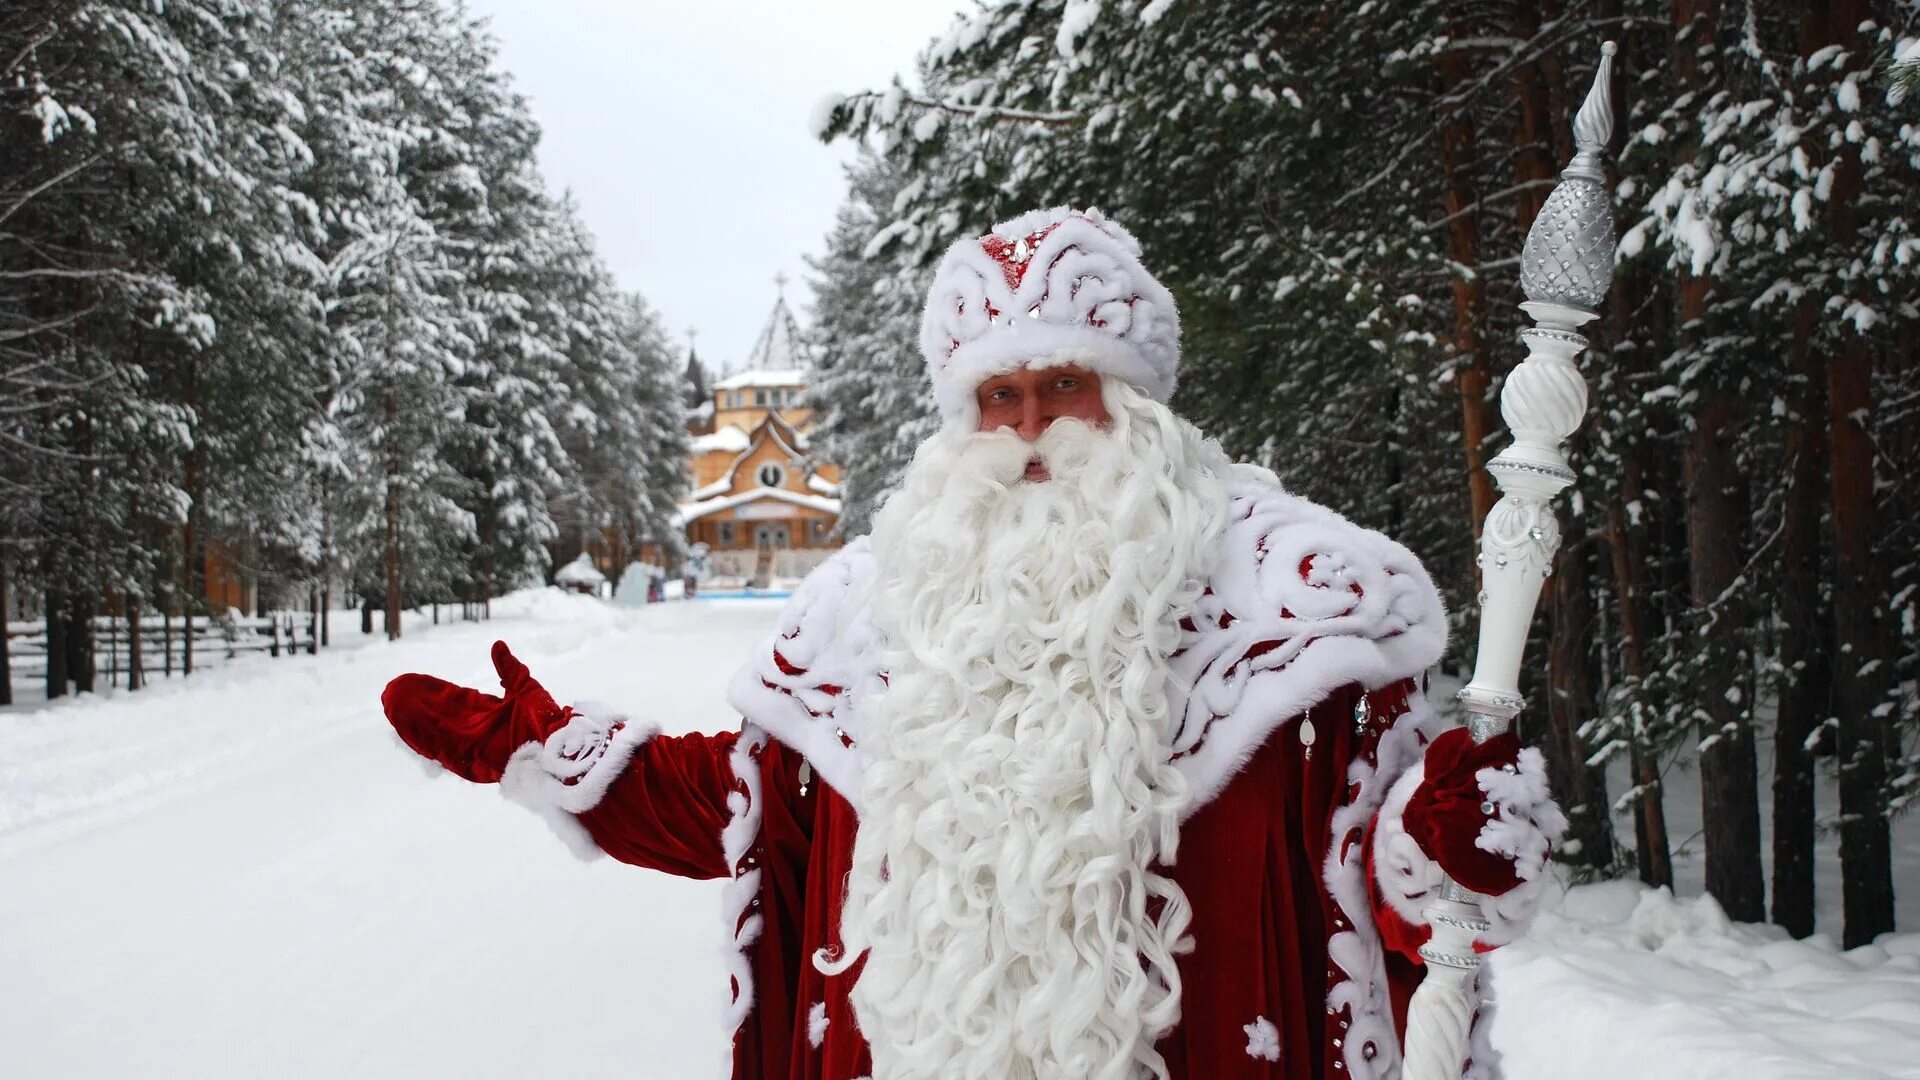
[{"x": 1056, "y": 286}]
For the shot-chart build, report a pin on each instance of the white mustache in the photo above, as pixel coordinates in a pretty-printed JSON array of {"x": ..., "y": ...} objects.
[{"x": 1063, "y": 449}]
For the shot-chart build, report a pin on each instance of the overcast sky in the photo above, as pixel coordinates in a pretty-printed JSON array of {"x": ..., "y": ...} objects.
[{"x": 681, "y": 129}]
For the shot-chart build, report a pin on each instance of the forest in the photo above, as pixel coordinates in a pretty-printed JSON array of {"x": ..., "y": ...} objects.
[
  {"x": 1337, "y": 193},
  {"x": 284, "y": 298}
]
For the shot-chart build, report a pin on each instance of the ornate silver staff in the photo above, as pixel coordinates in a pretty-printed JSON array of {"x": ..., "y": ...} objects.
[{"x": 1565, "y": 268}]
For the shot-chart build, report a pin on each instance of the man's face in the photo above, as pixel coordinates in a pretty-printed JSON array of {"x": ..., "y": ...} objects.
[{"x": 1029, "y": 400}]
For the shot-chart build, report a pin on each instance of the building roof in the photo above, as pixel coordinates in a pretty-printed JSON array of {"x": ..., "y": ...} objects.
[
  {"x": 731, "y": 439},
  {"x": 772, "y": 426},
  {"x": 782, "y": 377},
  {"x": 694, "y": 511},
  {"x": 780, "y": 346}
]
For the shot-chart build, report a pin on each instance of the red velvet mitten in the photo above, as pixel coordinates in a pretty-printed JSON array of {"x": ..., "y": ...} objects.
[
  {"x": 1449, "y": 810},
  {"x": 471, "y": 733},
  {"x": 1480, "y": 814}
]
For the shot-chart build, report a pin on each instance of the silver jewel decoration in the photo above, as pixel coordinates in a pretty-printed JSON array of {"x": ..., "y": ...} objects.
[
  {"x": 1568, "y": 254},
  {"x": 1307, "y": 737}
]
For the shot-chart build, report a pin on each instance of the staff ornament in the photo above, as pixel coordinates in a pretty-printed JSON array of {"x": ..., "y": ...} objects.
[{"x": 1566, "y": 267}]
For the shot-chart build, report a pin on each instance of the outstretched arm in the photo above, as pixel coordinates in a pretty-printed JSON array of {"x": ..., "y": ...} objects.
[{"x": 605, "y": 783}]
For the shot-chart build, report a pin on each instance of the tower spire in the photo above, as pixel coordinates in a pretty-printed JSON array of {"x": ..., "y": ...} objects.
[{"x": 779, "y": 347}]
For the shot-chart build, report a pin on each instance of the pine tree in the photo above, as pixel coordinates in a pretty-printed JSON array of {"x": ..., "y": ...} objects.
[
  {"x": 280, "y": 294},
  {"x": 870, "y": 387},
  {"x": 1345, "y": 301}
]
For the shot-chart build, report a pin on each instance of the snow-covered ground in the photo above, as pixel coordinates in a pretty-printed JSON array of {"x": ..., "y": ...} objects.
[
  {"x": 1621, "y": 981},
  {"x": 248, "y": 877}
]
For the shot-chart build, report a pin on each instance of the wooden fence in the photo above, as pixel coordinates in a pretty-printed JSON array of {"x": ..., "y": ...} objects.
[{"x": 163, "y": 643}]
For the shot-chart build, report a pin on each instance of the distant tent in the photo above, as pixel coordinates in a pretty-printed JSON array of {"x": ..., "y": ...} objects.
[{"x": 581, "y": 575}]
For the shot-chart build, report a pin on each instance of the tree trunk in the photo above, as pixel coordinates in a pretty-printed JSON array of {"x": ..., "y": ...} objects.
[
  {"x": 1572, "y": 682},
  {"x": 136, "y": 675},
  {"x": 392, "y": 554},
  {"x": 1805, "y": 674},
  {"x": 1717, "y": 525},
  {"x": 6, "y": 641},
  {"x": 56, "y": 644},
  {"x": 1717, "y": 520},
  {"x": 80, "y": 641},
  {"x": 188, "y": 594},
  {"x": 1636, "y": 318},
  {"x": 1474, "y": 375},
  {"x": 1862, "y": 660},
  {"x": 194, "y": 584},
  {"x": 1652, "y": 851},
  {"x": 366, "y": 614},
  {"x": 392, "y": 560}
]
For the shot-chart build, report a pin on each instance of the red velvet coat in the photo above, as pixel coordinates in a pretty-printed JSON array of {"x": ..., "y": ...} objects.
[
  {"x": 1250, "y": 863},
  {"x": 1302, "y": 737}
]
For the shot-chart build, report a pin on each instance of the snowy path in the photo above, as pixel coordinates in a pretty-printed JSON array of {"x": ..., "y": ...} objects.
[
  {"x": 252, "y": 878},
  {"x": 267, "y": 884}
]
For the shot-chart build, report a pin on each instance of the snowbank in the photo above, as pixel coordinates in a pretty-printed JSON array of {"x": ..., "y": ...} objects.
[{"x": 1621, "y": 981}]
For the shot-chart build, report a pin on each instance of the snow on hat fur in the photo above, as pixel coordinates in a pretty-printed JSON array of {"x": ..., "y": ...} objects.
[{"x": 1052, "y": 286}]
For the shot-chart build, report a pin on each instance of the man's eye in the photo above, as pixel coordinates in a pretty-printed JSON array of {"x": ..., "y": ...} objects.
[
  {"x": 1000, "y": 395},
  {"x": 1067, "y": 384}
]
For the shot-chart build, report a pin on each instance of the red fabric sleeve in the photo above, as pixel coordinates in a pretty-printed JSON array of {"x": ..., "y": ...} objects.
[{"x": 666, "y": 810}]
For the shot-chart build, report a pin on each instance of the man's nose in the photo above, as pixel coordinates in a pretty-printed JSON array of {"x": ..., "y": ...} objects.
[{"x": 1033, "y": 419}]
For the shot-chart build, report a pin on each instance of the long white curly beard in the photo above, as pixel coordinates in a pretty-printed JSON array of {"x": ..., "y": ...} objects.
[{"x": 1017, "y": 794}]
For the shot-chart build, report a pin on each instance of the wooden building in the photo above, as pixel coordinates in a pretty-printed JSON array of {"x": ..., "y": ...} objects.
[{"x": 757, "y": 484}]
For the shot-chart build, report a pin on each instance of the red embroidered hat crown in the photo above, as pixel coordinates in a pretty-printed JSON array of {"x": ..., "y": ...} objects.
[{"x": 1049, "y": 287}]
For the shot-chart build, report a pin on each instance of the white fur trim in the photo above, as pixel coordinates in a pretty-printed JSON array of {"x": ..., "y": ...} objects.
[
  {"x": 1364, "y": 611},
  {"x": 737, "y": 841},
  {"x": 817, "y": 1024},
  {"x": 1030, "y": 343},
  {"x": 1354, "y": 947},
  {"x": 1526, "y": 825},
  {"x": 1407, "y": 877},
  {"x": 1081, "y": 286},
  {"x": 1263, "y": 1039},
  {"x": 832, "y": 661},
  {"x": 569, "y": 773}
]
